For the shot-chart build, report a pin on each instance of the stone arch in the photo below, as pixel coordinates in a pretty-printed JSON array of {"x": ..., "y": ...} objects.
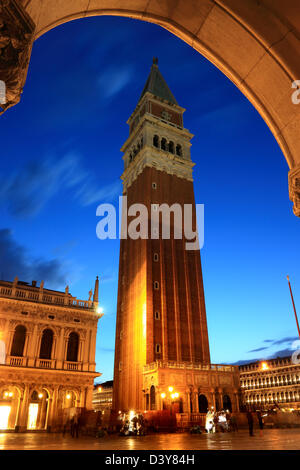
[
  {"x": 202, "y": 403},
  {"x": 18, "y": 341},
  {"x": 221, "y": 31},
  {"x": 73, "y": 346},
  {"x": 46, "y": 345}
]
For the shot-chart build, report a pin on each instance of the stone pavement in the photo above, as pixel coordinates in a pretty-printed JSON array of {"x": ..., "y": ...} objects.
[{"x": 272, "y": 439}]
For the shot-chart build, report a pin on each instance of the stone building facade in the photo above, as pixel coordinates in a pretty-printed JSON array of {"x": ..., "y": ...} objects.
[
  {"x": 102, "y": 397},
  {"x": 47, "y": 354},
  {"x": 271, "y": 382},
  {"x": 161, "y": 331}
]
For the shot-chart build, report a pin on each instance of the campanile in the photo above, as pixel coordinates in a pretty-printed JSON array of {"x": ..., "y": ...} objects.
[{"x": 161, "y": 331}]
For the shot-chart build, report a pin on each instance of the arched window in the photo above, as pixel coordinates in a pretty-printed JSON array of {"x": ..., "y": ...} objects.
[
  {"x": 163, "y": 144},
  {"x": 179, "y": 150},
  {"x": 203, "y": 403},
  {"x": 46, "y": 344},
  {"x": 152, "y": 397},
  {"x": 73, "y": 343},
  {"x": 156, "y": 141},
  {"x": 227, "y": 403},
  {"x": 18, "y": 343},
  {"x": 171, "y": 147}
]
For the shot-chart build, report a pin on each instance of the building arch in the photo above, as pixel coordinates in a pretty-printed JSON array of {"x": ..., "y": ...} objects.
[
  {"x": 46, "y": 344},
  {"x": 73, "y": 347},
  {"x": 18, "y": 342},
  {"x": 220, "y": 32},
  {"x": 202, "y": 403},
  {"x": 227, "y": 405},
  {"x": 152, "y": 398}
]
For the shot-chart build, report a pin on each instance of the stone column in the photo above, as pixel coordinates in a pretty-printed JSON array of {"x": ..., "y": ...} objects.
[
  {"x": 60, "y": 349},
  {"x": 52, "y": 408},
  {"x": 24, "y": 406},
  {"x": 32, "y": 348}
]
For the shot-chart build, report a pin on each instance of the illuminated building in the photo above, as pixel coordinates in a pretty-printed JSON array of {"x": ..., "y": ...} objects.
[
  {"x": 48, "y": 367},
  {"x": 275, "y": 381},
  {"x": 102, "y": 396},
  {"x": 161, "y": 331}
]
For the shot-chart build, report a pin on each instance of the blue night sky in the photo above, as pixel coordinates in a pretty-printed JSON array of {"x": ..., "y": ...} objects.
[{"x": 60, "y": 149}]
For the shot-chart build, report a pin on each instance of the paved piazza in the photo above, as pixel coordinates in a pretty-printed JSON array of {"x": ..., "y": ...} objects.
[{"x": 272, "y": 439}]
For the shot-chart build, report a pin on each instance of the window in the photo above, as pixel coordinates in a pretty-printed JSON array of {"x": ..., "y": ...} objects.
[
  {"x": 154, "y": 186},
  {"x": 51, "y": 317},
  {"x": 155, "y": 257},
  {"x": 179, "y": 150},
  {"x": 156, "y": 141},
  {"x": 46, "y": 344},
  {"x": 18, "y": 343},
  {"x": 73, "y": 345},
  {"x": 158, "y": 348},
  {"x": 156, "y": 285},
  {"x": 24, "y": 313},
  {"x": 157, "y": 315},
  {"x": 76, "y": 320}
]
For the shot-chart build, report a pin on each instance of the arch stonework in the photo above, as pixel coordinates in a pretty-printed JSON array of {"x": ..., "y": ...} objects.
[{"x": 255, "y": 44}]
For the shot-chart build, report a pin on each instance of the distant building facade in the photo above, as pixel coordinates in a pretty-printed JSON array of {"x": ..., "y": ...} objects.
[
  {"x": 47, "y": 362},
  {"x": 271, "y": 382},
  {"x": 102, "y": 396}
]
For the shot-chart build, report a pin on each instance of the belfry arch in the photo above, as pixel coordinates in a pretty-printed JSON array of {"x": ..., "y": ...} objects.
[{"x": 255, "y": 44}]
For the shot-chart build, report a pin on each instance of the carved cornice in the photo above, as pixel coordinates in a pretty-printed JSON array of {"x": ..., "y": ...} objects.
[
  {"x": 294, "y": 189},
  {"x": 16, "y": 38},
  {"x": 169, "y": 163}
]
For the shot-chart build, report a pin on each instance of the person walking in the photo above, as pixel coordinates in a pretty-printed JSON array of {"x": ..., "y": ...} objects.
[{"x": 250, "y": 422}]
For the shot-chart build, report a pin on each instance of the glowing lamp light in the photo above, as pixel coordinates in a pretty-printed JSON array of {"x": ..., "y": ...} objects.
[
  {"x": 99, "y": 309},
  {"x": 6, "y": 394},
  {"x": 99, "y": 389},
  {"x": 264, "y": 366},
  {"x": 163, "y": 395},
  {"x": 68, "y": 396},
  {"x": 10, "y": 394},
  {"x": 176, "y": 395},
  {"x": 40, "y": 395},
  {"x": 170, "y": 389}
]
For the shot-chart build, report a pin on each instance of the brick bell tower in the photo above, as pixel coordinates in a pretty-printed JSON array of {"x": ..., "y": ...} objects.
[{"x": 161, "y": 330}]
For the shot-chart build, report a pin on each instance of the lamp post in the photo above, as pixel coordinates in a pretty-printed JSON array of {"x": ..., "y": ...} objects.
[
  {"x": 288, "y": 278},
  {"x": 171, "y": 396}
]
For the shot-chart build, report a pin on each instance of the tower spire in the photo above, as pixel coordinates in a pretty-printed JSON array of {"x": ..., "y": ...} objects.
[
  {"x": 157, "y": 85},
  {"x": 96, "y": 291}
]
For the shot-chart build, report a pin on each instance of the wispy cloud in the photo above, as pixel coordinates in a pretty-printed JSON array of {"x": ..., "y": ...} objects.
[
  {"x": 257, "y": 350},
  {"x": 25, "y": 193},
  {"x": 114, "y": 79},
  {"x": 16, "y": 261}
]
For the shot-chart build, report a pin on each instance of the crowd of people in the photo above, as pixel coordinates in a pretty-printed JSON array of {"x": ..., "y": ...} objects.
[{"x": 221, "y": 421}]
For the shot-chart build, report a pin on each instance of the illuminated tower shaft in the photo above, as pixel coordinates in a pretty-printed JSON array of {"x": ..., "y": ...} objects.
[{"x": 161, "y": 308}]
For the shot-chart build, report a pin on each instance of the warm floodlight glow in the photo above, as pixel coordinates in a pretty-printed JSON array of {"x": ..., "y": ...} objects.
[
  {"x": 4, "y": 415},
  {"x": 173, "y": 395},
  {"x": 10, "y": 394},
  {"x": 40, "y": 395},
  {"x": 264, "y": 366},
  {"x": 163, "y": 395},
  {"x": 99, "y": 389},
  {"x": 170, "y": 389},
  {"x": 176, "y": 395},
  {"x": 99, "y": 309},
  {"x": 68, "y": 396},
  {"x": 131, "y": 414},
  {"x": 6, "y": 394}
]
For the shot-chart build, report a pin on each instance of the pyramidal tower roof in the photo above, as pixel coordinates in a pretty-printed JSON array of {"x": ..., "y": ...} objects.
[{"x": 157, "y": 85}]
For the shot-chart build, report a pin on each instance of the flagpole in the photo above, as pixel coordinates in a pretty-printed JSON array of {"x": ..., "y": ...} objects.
[{"x": 288, "y": 278}]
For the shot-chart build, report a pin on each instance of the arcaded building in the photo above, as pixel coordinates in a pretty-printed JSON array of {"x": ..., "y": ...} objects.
[
  {"x": 47, "y": 355},
  {"x": 162, "y": 355},
  {"x": 271, "y": 382}
]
